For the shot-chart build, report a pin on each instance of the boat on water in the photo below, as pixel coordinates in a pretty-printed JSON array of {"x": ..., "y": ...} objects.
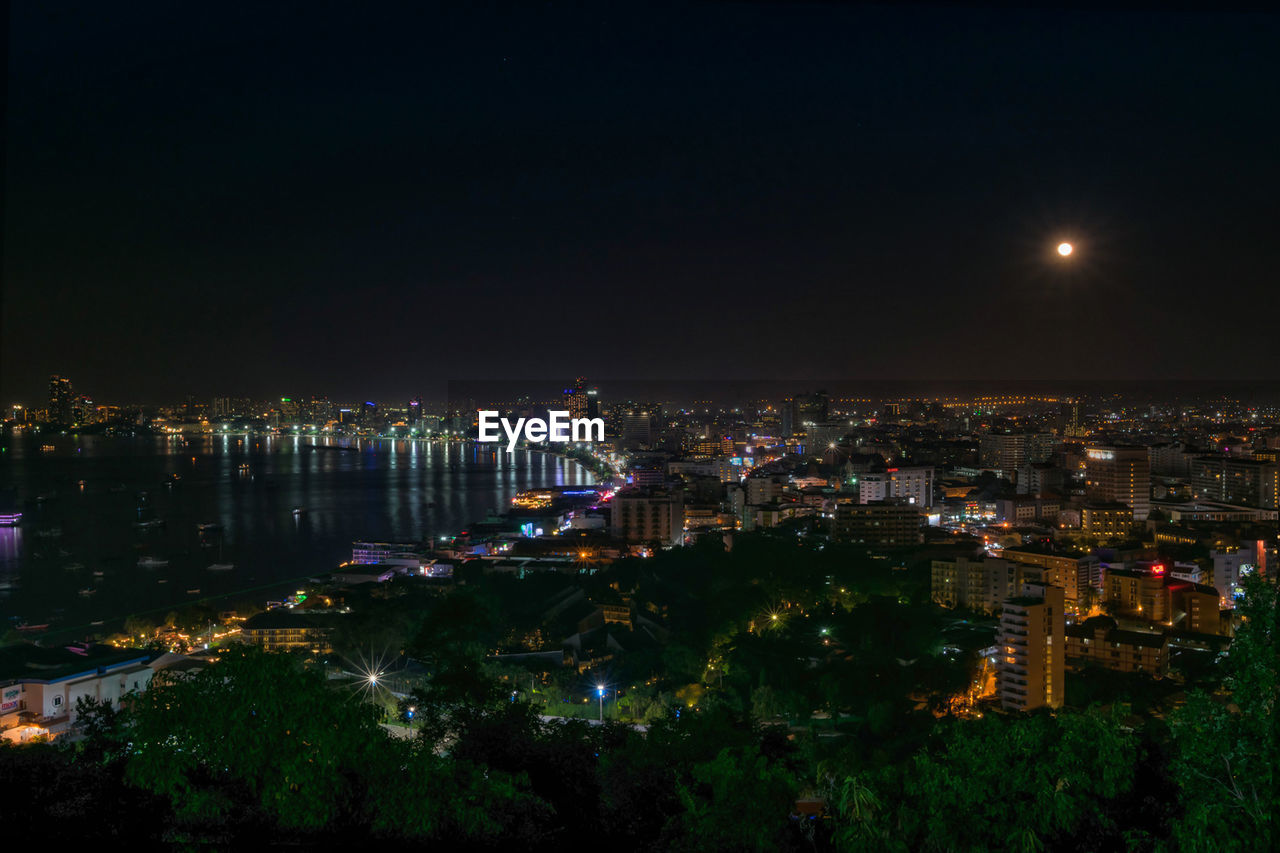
[
  {"x": 163, "y": 580},
  {"x": 193, "y": 592},
  {"x": 299, "y": 510},
  {"x": 49, "y": 533},
  {"x": 28, "y": 627},
  {"x": 74, "y": 567},
  {"x": 152, "y": 562},
  {"x": 221, "y": 567},
  {"x": 87, "y": 591},
  {"x": 149, "y": 524},
  {"x": 99, "y": 573},
  {"x": 96, "y": 624},
  {"x": 208, "y": 527}
]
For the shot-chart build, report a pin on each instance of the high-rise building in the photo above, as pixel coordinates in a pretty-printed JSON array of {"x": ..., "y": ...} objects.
[
  {"x": 981, "y": 585},
  {"x": 654, "y": 516},
  {"x": 1252, "y": 482},
  {"x": 639, "y": 426},
  {"x": 576, "y": 399},
  {"x": 1008, "y": 452},
  {"x": 808, "y": 409},
  {"x": 61, "y": 401},
  {"x": 885, "y": 525},
  {"x": 912, "y": 485},
  {"x": 1115, "y": 473},
  {"x": 1029, "y": 668}
]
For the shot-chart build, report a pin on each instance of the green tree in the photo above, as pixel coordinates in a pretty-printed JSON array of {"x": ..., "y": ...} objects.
[
  {"x": 254, "y": 730},
  {"x": 992, "y": 784},
  {"x": 738, "y": 800},
  {"x": 1226, "y": 748}
]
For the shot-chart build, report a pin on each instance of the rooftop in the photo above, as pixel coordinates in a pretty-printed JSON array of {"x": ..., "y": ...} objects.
[{"x": 28, "y": 662}]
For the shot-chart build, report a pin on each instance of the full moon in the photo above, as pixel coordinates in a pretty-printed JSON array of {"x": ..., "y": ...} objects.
[{"x": 1064, "y": 249}]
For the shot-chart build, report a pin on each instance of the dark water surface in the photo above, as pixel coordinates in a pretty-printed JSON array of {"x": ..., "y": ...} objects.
[{"x": 83, "y": 500}]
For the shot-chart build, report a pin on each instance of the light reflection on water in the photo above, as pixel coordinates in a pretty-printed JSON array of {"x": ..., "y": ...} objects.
[{"x": 399, "y": 490}]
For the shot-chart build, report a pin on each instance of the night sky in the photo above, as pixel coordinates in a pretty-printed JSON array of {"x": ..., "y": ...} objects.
[{"x": 268, "y": 199}]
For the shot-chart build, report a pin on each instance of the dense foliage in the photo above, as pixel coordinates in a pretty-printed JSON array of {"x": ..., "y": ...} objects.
[{"x": 264, "y": 746}]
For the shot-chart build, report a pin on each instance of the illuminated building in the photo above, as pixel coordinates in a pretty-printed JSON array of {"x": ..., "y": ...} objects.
[
  {"x": 61, "y": 401},
  {"x": 39, "y": 687},
  {"x": 980, "y": 585},
  {"x": 804, "y": 409},
  {"x": 886, "y": 525},
  {"x": 1119, "y": 474},
  {"x": 1100, "y": 642},
  {"x": 1107, "y": 520},
  {"x": 912, "y": 485},
  {"x": 408, "y": 554},
  {"x": 1226, "y": 479},
  {"x": 577, "y": 400},
  {"x": 1030, "y": 660},
  {"x": 1008, "y": 452},
  {"x": 285, "y": 630},
  {"x": 533, "y": 499},
  {"x": 639, "y": 426},
  {"x": 1073, "y": 573},
  {"x": 1231, "y": 564},
  {"x": 648, "y": 516}
]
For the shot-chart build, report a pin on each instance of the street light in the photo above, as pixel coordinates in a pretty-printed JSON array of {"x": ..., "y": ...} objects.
[{"x": 600, "y": 694}]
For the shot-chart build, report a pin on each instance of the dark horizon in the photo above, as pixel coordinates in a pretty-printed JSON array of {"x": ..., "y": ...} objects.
[{"x": 266, "y": 200}]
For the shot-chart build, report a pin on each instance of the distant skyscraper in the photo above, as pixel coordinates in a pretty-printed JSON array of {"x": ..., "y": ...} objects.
[
  {"x": 1253, "y": 482},
  {"x": 61, "y": 401},
  {"x": 1119, "y": 474},
  {"x": 576, "y": 399},
  {"x": 639, "y": 427},
  {"x": 808, "y": 409},
  {"x": 1009, "y": 451}
]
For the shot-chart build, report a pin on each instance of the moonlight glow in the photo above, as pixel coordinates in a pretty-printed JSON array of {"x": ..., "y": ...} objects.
[{"x": 1065, "y": 249}]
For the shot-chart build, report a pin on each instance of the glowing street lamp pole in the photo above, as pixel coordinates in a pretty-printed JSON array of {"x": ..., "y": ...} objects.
[{"x": 600, "y": 694}]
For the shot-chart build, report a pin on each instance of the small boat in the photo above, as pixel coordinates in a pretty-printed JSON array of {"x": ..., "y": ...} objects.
[
  {"x": 163, "y": 580},
  {"x": 149, "y": 524},
  {"x": 208, "y": 527},
  {"x": 74, "y": 567},
  {"x": 87, "y": 591},
  {"x": 99, "y": 573},
  {"x": 96, "y": 624},
  {"x": 193, "y": 592},
  {"x": 49, "y": 533},
  {"x": 117, "y": 488},
  {"x": 26, "y": 626},
  {"x": 221, "y": 567},
  {"x": 152, "y": 563},
  {"x": 299, "y": 510}
]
